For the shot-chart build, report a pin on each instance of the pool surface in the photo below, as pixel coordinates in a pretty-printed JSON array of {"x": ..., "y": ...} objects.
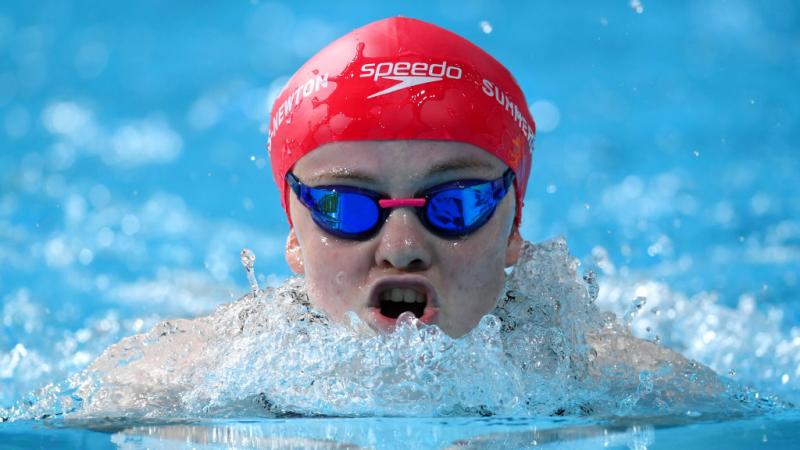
[{"x": 779, "y": 432}]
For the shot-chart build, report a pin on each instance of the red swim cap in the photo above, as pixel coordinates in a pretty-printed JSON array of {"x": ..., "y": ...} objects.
[{"x": 402, "y": 78}]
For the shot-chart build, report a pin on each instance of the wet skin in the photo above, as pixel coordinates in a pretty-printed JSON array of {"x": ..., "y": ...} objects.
[{"x": 460, "y": 278}]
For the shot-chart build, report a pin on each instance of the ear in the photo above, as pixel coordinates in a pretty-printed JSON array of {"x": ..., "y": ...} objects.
[
  {"x": 294, "y": 254},
  {"x": 514, "y": 247}
]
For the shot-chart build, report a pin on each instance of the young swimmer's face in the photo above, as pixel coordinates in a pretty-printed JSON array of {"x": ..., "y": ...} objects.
[{"x": 458, "y": 279}]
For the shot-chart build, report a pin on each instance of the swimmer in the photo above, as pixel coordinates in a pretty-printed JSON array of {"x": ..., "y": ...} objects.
[{"x": 402, "y": 153}]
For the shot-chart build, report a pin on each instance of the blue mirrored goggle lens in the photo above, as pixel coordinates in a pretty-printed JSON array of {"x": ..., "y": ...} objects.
[
  {"x": 354, "y": 213},
  {"x": 461, "y": 210},
  {"x": 343, "y": 212}
]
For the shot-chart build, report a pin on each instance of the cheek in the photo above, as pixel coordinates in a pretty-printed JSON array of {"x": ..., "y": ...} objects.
[
  {"x": 476, "y": 265},
  {"x": 335, "y": 274},
  {"x": 476, "y": 269}
]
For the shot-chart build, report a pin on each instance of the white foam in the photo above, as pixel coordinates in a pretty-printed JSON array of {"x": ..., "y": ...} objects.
[{"x": 546, "y": 349}]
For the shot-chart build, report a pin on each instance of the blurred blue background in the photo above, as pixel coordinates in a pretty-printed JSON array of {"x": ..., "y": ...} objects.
[{"x": 133, "y": 166}]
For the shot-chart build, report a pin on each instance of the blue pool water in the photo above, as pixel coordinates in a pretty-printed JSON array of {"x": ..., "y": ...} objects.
[
  {"x": 399, "y": 433},
  {"x": 133, "y": 170}
]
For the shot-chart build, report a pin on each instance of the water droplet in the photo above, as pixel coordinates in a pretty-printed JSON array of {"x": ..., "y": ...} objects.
[
  {"x": 591, "y": 285},
  {"x": 634, "y": 309},
  {"x": 248, "y": 258}
]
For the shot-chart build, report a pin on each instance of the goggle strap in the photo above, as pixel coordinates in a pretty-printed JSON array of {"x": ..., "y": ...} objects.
[{"x": 399, "y": 202}]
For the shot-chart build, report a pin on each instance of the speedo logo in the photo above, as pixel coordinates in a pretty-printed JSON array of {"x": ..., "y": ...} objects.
[{"x": 409, "y": 74}]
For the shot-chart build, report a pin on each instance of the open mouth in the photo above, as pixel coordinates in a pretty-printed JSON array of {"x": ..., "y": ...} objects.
[
  {"x": 393, "y": 296},
  {"x": 395, "y": 301}
]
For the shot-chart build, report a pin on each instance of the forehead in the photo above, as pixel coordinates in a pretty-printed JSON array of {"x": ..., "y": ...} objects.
[{"x": 394, "y": 160}]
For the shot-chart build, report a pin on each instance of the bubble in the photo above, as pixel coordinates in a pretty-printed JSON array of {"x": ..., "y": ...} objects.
[
  {"x": 204, "y": 113},
  {"x": 99, "y": 196},
  {"x": 485, "y": 26},
  {"x": 130, "y": 224},
  {"x": 62, "y": 156},
  {"x": 105, "y": 237},
  {"x": 150, "y": 141},
  {"x": 57, "y": 253},
  {"x": 85, "y": 256},
  {"x": 102, "y": 282},
  {"x": 67, "y": 118},
  {"x": 636, "y": 6},
  {"x": 137, "y": 325},
  {"x": 723, "y": 213},
  {"x": 74, "y": 209},
  {"x": 55, "y": 186},
  {"x": 760, "y": 204},
  {"x": 83, "y": 335},
  {"x": 546, "y": 114}
]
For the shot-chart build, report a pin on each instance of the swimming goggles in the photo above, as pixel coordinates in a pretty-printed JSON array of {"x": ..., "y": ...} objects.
[{"x": 450, "y": 210}]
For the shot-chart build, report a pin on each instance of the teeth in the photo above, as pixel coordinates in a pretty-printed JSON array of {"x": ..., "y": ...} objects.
[
  {"x": 397, "y": 295},
  {"x": 402, "y": 295}
]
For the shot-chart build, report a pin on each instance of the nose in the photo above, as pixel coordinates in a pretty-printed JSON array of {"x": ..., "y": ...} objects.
[{"x": 403, "y": 242}]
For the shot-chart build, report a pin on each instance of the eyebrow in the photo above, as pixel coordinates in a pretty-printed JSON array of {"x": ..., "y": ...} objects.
[{"x": 453, "y": 165}]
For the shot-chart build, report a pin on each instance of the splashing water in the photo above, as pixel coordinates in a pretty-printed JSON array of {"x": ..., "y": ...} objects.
[
  {"x": 546, "y": 349},
  {"x": 635, "y": 308},
  {"x": 248, "y": 261}
]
